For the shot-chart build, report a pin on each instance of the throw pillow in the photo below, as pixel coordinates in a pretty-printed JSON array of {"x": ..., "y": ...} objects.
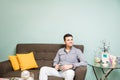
[
  {"x": 27, "y": 61},
  {"x": 14, "y": 62}
]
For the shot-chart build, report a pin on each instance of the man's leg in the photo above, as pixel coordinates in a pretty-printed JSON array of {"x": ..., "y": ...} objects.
[
  {"x": 68, "y": 74},
  {"x": 48, "y": 71}
]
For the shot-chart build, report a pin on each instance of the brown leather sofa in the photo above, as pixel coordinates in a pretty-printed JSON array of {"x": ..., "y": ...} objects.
[{"x": 44, "y": 55}]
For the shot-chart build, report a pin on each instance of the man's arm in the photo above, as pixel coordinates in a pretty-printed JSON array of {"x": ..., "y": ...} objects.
[
  {"x": 82, "y": 59},
  {"x": 56, "y": 61}
]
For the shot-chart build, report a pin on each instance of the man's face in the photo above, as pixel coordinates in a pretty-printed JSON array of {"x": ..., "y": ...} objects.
[{"x": 69, "y": 41}]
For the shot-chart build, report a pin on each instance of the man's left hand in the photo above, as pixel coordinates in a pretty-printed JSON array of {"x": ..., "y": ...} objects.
[{"x": 66, "y": 67}]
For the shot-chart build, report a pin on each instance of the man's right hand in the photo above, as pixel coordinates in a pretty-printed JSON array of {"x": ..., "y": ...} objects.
[{"x": 57, "y": 66}]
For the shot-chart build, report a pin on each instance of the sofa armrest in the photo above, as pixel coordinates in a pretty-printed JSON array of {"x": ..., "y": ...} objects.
[
  {"x": 5, "y": 67},
  {"x": 80, "y": 72}
]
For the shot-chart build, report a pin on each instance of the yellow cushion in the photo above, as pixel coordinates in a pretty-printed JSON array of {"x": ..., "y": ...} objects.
[
  {"x": 27, "y": 61},
  {"x": 14, "y": 62}
]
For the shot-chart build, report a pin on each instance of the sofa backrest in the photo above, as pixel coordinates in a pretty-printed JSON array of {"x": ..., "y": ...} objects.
[{"x": 43, "y": 53}]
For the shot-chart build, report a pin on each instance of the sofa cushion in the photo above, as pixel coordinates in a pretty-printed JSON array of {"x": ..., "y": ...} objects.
[
  {"x": 14, "y": 62},
  {"x": 42, "y": 63},
  {"x": 27, "y": 61},
  {"x": 44, "y": 55}
]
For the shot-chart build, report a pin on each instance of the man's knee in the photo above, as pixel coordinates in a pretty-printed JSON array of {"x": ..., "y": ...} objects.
[
  {"x": 70, "y": 73},
  {"x": 43, "y": 69}
]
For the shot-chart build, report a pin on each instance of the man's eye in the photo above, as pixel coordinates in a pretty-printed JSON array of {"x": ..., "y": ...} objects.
[{"x": 68, "y": 40}]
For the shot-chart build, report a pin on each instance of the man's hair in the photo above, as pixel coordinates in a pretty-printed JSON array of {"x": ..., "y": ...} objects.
[{"x": 67, "y": 35}]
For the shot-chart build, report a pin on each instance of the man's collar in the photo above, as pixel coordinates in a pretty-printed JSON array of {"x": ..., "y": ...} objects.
[{"x": 70, "y": 48}]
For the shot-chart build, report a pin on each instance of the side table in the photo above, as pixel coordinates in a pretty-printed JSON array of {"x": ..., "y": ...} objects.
[{"x": 105, "y": 72}]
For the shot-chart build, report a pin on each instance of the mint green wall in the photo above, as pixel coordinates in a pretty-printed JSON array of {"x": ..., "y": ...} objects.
[{"x": 46, "y": 21}]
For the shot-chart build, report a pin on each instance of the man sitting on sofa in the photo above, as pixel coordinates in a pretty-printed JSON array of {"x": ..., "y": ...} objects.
[{"x": 65, "y": 62}]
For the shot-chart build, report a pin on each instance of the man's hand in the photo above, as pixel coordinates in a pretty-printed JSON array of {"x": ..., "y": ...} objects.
[
  {"x": 66, "y": 67},
  {"x": 57, "y": 66}
]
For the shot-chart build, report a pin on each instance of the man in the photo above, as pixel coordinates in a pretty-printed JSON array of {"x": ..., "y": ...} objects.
[{"x": 65, "y": 62}]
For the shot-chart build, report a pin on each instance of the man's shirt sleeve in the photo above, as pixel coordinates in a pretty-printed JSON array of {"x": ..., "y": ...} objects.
[
  {"x": 81, "y": 58},
  {"x": 56, "y": 59}
]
